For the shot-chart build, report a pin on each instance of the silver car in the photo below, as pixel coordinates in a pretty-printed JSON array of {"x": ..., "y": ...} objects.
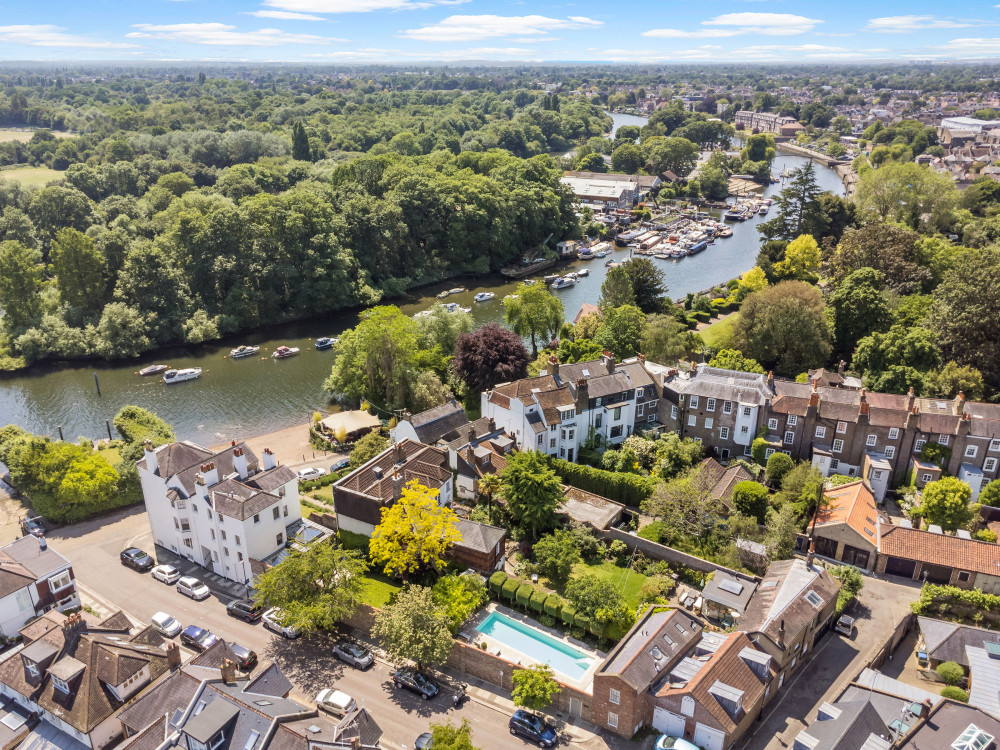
[
  {"x": 274, "y": 620},
  {"x": 194, "y": 588},
  {"x": 354, "y": 654},
  {"x": 166, "y": 573},
  {"x": 166, "y": 625}
]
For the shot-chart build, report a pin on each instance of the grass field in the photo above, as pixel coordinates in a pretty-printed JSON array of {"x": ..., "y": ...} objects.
[
  {"x": 627, "y": 581},
  {"x": 23, "y": 136},
  {"x": 378, "y": 590},
  {"x": 31, "y": 176},
  {"x": 719, "y": 335}
]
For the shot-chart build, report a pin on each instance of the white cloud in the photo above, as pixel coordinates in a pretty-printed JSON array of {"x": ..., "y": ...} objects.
[
  {"x": 47, "y": 35},
  {"x": 356, "y": 6},
  {"x": 905, "y": 24},
  {"x": 971, "y": 47},
  {"x": 485, "y": 27},
  {"x": 391, "y": 55},
  {"x": 223, "y": 34},
  {"x": 285, "y": 15},
  {"x": 736, "y": 24}
]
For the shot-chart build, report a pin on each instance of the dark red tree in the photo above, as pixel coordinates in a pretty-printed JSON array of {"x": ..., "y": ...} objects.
[{"x": 489, "y": 355}]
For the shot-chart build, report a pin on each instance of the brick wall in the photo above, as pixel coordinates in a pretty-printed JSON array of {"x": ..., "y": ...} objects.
[
  {"x": 662, "y": 552},
  {"x": 633, "y": 708}
]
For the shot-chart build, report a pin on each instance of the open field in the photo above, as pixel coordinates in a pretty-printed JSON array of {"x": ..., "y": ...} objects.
[
  {"x": 8, "y": 135},
  {"x": 31, "y": 176}
]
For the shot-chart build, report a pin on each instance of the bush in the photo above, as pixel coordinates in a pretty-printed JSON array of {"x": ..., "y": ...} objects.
[
  {"x": 618, "y": 549},
  {"x": 758, "y": 448},
  {"x": 778, "y": 465},
  {"x": 955, "y": 693},
  {"x": 582, "y": 621},
  {"x": 538, "y": 600},
  {"x": 509, "y": 590},
  {"x": 548, "y": 621},
  {"x": 656, "y": 588},
  {"x": 497, "y": 580},
  {"x": 554, "y": 605},
  {"x": 950, "y": 672},
  {"x": 630, "y": 489},
  {"x": 350, "y": 541},
  {"x": 750, "y": 499},
  {"x": 653, "y": 531},
  {"x": 568, "y": 614},
  {"x": 524, "y": 592},
  {"x": 986, "y": 535}
]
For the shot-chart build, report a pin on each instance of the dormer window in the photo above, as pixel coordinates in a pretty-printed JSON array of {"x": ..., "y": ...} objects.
[
  {"x": 60, "y": 685},
  {"x": 217, "y": 740},
  {"x": 32, "y": 669}
]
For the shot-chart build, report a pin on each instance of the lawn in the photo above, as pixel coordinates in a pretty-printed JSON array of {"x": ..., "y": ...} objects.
[
  {"x": 618, "y": 575},
  {"x": 323, "y": 494},
  {"x": 378, "y": 590},
  {"x": 32, "y": 176},
  {"x": 23, "y": 136},
  {"x": 719, "y": 335}
]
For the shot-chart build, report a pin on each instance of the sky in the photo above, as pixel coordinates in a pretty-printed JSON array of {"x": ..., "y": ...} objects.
[{"x": 403, "y": 31}]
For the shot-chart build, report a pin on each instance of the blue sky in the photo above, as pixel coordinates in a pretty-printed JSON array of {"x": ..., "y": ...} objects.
[{"x": 394, "y": 31}]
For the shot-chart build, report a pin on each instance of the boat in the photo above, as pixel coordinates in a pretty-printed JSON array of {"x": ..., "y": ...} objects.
[
  {"x": 285, "y": 351},
  {"x": 697, "y": 247},
  {"x": 243, "y": 351},
  {"x": 442, "y": 295},
  {"x": 153, "y": 370},
  {"x": 600, "y": 254},
  {"x": 726, "y": 232},
  {"x": 661, "y": 256},
  {"x": 550, "y": 278},
  {"x": 563, "y": 283},
  {"x": 326, "y": 342},
  {"x": 528, "y": 267},
  {"x": 583, "y": 272},
  {"x": 456, "y": 290},
  {"x": 454, "y": 307},
  {"x": 571, "y": 275},
  {"x": 586, "y": 254},
  {"x": 762, "y": 210},
  {"x": 529, "y": 282},
  {"x": 733, "y": 214},
  {"x": 179, "y": 376},
  {"x": 484, "y": 296}
]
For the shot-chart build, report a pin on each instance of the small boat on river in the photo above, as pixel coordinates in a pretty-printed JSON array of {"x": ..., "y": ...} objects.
[
  {"x": 456, "y": 290},
  {"x": 484, "y": 297},
  {"x": 442, "y": 295},
  {"x": 326, "y": 342},
  {"x": 285, "y": 351},
  {"x": 583, "y": 272},
  {"x": 153, "y": 370},
  {"x": 243, "y": 351},
  {"x": 563, "y": 283},
  {"x": 179, "y": 376}
]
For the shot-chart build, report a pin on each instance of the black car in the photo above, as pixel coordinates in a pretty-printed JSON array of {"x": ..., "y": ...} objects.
[
  {"x": 197, "y": 639},
  {"x": 415, "y": 682},
  {"x": 341, "y": 465},
  {"x": 530, "y": 727},
  {"x": 32, "y": 526},
  {"x": 245, "y": 658},
  {"x": 135, "y": 558},
  {"x": 244, "y": 609}
]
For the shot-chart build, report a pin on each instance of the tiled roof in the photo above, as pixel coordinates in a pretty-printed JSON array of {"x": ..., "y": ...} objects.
[
  {"x": 724, "y": 478},
  {"x": 223, "y": 461},
  {"x": 672, "y": 633},
  {"x": 852, "y": 504},
  {"x": 940, "y": 549},
  {"x": 269, "y": 481},
  {"x": 435, "y": 423},
  {"x": 479, "y": 537},
  {"x": 175, "y": 457},
  {"x": 946, "y": 641},
  {"x": 781, "y": 597}
]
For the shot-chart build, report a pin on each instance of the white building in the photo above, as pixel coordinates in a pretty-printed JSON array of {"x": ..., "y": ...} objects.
[
  {"x": 219, "y": 509},
  {"x": 34, "y": 579},
  {"x": 969, "y": 123}
]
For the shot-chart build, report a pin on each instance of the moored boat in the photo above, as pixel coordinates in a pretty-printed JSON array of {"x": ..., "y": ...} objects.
[
  {"x": 243, "y": 351},
  {"x": 179, "y": 376},
  {"x": 563, "y": 283},
  {"x": 484, "y": 296},
  {"x": 583, "y": 272},
  {"x": 456, "y": 290},
  {"x": 153, "y": 370},
  {"x": 442, "y": 295},
  {"x": 326, "y": 342},
  {"x": 285, "y": 351}
]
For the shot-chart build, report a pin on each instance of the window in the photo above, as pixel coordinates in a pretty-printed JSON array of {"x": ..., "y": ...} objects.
[
  {"x": 971, "y": 451},
  {"x": 697, "y": 440},
  {"x": 216, "y": 741},
  {"x": 841, "y": 428},
  {"x": 616, "y": 431},
  {"x": 215, "y": 556},
  {"x": 963, "y": 576},
  {"x": 725, "y": 453},
  {"x": 694, "y": 402},
  {"x": 990, "y": 464},
  {"x": 618, "y": 414},
  {"x": 639, "y": 410},
  {"x": 943, "y": 439},
  {"x": 890, "y": 451},
  {"x": 285, "y": 510},
  {"x": 552, "y": 428},
  {"x": 256, "y": 518},
  {"x": 562, "y": 434},
  {"x": 212, "y": 533},
  {"x": 237, "y": 540},
  {"x": 709, "y": 422},
  {"x": 747, "y": 451},
  {"x": 540, "y": 440},
  {"x": 552, "y": 443},
  {"x": 615, "y": 696},
  {"x": 994, "y": 445},
  {"x": 838, "y": 445},
  {"x": 871, "y": 441},
  {"x": 747, "y": 411},
  {"x": 572, "y": 434},
  {"x": 279, "y": 539},
  {"x": 651, "y": 418},
  {"x": 727, "y": 407},
  {"x": 673, "y": 413},
  {"x": 724, "y": 433},
  {"x": 789, "y": 437},
  {"x": 876, "y": 475},
  {"x": 821, "y": 432},
  {"x": 32, "y": 669},
  {"x": 834, "y": 464},
  {"x": 692, "y": 420},
  {"x": 687, "y": 705},
  {"x": 767, "y": 453},
  {"x": 223, "y": 535},
  {"x": 598, "y": 421},
  {"x": 919, "y": 446},
  {"x": 185, "y": 525},
  {"x": 772, "y": 424},
  {"x": 743, "y": 431},
  {"x": 225, "y": 551},
  {"x": 792, "y": 420},
  {"x": 188, "y": 544},
  {"x": 926, "y": 478},
  {"x": 651, "y": 406},
  {"x": 208, "y": 512},
  {"x": 894, "y": 433},
  {"x": 239, "y": 557},
  {"x": 710, "y": 405},
  {"x": 60, "y": 581},
  {"x": 194, "y": 508},
  {"x": 612, "y": 719}
]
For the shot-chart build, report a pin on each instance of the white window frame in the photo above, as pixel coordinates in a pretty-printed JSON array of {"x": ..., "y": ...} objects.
[
  {"x": 639, "y": 410},
  {"x": 767, "y": 453},
  {"x": 793, "y": 420},
  {"x": 919, "y": 446},
  {"x": 747, "y": 410},
  {"x": 990, "y": 464},
  {"x": 727, "y": 408},
  {"x": 971, "y": 451},
  {"x": 994, "y": 445},
  {"x": 709, "y": 423},
  {"x": 32, "y": 669},
  {"x": 944, "y": 439},
  {"x": 926, "y": 477},
  {"x": 692, "y": 420},
  {"x": 694, "y": 402},
  {"x": 872, "y": 440},
  {"x": 890, "y": 451},
  {"x": 834, "y": 464},
  {"x": 772, "y": 424},
  {"x": 651, "y": 405},
  {"x": 893, "y": 433},
  {"x": 820, "y": 431},
  {"x": 723, "y": 433},
  {"x": 673, "y": 412},
  {"x": 710, "y": 405},
  {"x": 789, "y": 437},
  {"x": 841, "y": 428},
  {"x": 60, "y": 581},
  {"x": 614, "y": 696},
  {"x": 612, "y": 719},
  {"x": 838, "y": 445}
]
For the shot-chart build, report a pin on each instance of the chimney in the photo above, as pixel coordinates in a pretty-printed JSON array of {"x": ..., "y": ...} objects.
[
  {"x": 406, "y": 415},
  {"x": 608, "y": 359},
  {"x": 211, "y": 473},
  {"x": 781, "y": 635},
  {"x": 42, "y": 544},
  {"x": 582, "y": 395},
  {"x": 840, "y": 368},
  {"x": 240, "y": 463},
  {"x": 228, "y": 670},
  {"x": 471, "y": 435},
  {"x": 554, "y": 366},
  {"x": 400, "y": 454},
  {"x": 470, "y": 455},
  {"x": 910, "y": 398},
  {"x": 73, "y": 623},
  {"x": 960, "y": 403},
  {"x": 923, "y": 708},
  {"x": 150, "y": 456},
  {"x": 814, "y": 397},
  {"x": 269, "y": 460},
  {"x": 864, "y": 408},
  {"x": 397, "y": 485},
  {"x": 641, "y": 357},
  {"x": 173, "y": 656},
  {"x": 493, "y": 425},
  {"x": 770, "y": 379},
  {"x": 199, "y": 478}
]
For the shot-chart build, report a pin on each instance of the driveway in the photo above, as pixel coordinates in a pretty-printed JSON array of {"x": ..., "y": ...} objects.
[{"x": 834, "y": 664}]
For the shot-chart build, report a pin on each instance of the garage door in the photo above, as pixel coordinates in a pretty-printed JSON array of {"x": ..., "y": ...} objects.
[
  {"x": 897, "y": 566},
  {"x": 936, "y": 573},
  {"x": 668, "y": 722},
  {"x": 708, "y": 738}
]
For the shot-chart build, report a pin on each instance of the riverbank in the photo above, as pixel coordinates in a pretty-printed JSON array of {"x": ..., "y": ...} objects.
[{"x": 843, "y": 169}]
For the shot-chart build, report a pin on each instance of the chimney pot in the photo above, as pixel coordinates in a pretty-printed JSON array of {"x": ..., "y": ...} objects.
[{"x": 228, "y": 670}]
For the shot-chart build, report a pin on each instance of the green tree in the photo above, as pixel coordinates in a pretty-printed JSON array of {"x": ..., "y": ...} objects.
[
  {"x": 752, "y": 281},
  {"x": 895, "y": 360},
  {"x": 946, "y": 503},
  {"x": 909, "y": 193},
  {"x": 79, "y": 268},
  {"x": 664, "y": 339},
  {"x": 801, "y": 259},
  {"x": 137, "y": 425},
  {"x": 952, "y": 379},
  {"x": 534, "y": 312},
  {"x": 750, "y": 499},
  {"x": 616, "y": 290},
  {"x": 678, "y": 155},
  {"x": 20, "y": 285},
  {"x": 531, "y": 490},
  {"x": 414, "y": 534},
  {"x": 534, "y": 687},
  {"x": 851, "y": 583},
  {"x": 778, "y": 465},
  {"x": 990, "y": 494},
  {"x": 556, "y": 554},
  {"x": 121, "y": 332},
  {"x": 458, "y": 597},
  {"x": 733, "y": 359},
  {"x": 950, "y": 672},
  {"x": 627, "y": 159},
  {"x": 318, "y": 587},
  {"x": 784, "y": 327},
  {"x": 447, "y": 736},
  {"x": 686, "y": 504},
  {"x": 891, "y": 250},
  {"x": 648, "y": 283},
  {"x": 675, "y": 455},
  {"x": 798, "y": 208},
  {"x": 413, "y": 628},
  {"x": 621, "y": 330},
  {"x": 367, "y": 448},
  {"x": 599, "y": 599},
  {"x": 300, "y": 143},
  {"x": 859, "y": 309}
]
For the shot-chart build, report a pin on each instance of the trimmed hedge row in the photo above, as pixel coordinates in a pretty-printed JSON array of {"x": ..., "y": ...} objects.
[
  {"x": 630, "y": 489},
  {"x": 505, "y": 587}
]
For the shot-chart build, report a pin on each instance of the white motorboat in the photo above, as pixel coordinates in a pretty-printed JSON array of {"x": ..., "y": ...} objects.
[
  {"x": 583, "y": 272},
  {"x": 563, "y": 283},
  {"x": 243, "y": 351},
  {"x": 179, "y": 376},
  {"x": 484, "y": 296}
]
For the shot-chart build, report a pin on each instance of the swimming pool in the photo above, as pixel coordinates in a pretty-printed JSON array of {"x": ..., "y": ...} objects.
[{"x": 536, "y": 645}]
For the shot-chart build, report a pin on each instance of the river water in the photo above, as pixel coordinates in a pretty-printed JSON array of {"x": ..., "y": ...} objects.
[{"x": 244, "y": 397}]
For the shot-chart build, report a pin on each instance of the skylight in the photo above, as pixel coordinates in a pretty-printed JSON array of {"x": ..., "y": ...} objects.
[
  {"x": 973, "y": 738},
  {"x": 200, "y": 707},
  {"x": 733, "y": 587},
  {"x": 814, "y": 599},
  {"x": 251, "y": 742}
]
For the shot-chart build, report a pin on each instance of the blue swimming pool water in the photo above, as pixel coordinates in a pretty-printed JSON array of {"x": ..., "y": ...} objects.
[{"x": 537, "y": 645}]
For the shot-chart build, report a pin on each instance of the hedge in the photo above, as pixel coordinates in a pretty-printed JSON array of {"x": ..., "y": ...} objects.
[
  {"x": 524, "y": 592},
  {"x": 582, "y": 621},
  {"x": 350, "y": 541},
  {"x": 509, "y": 588},
  {"x": 955, "y": 693},
  {"x": 653, "y": 531},
  {"x": 538, "y": 600},
  {"x": 630, "y": 489},
  {"x": 953, "y": 603},
  {"x": 554, "y": 605},
  {"x": 702, "y": 317},
  {"x": 497, "y": 580},
  {"x": 568, "y": 614}
]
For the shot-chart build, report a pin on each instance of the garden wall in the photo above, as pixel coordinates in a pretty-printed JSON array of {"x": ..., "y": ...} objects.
[
  {"x": 903, "y": 627},
  {"x": 662, "y": 552}
]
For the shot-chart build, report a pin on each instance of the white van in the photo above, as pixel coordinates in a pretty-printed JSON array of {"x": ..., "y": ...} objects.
[{"x": 335, "y": 702}]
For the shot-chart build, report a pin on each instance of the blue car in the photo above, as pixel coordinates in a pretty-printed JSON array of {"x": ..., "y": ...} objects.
[
  {"x": 674, "y": 743},
  {"x": 532, "y": 728}
]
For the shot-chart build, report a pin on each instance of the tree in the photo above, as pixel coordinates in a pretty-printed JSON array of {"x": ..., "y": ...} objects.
[
  {"x": 317, "y": 587},
  {"x": 412, "y": 628},
  {"x": 447, "y": 736},
  {"x": 300, "y": 143},
  {"x": 367, "y": 448},
  {"x": 556, "y": 554},
  {"x": 859, "y": 309},
  {"x": 599, "y": 599},
  {"x": 945, "y": 502},
  {"x": 531, "y": 490},
  {"x": 798, "y": 208},
  {"x": 895, "y": 360},
  {"x": 20, "y": 285},
  {"x": 952, "y": 379},
  {"x": 674, "y": 455},
  {"x": 801, "y": 259},
  {"x": 752, "y": 281},
  {"x": 534, "y": 687},
  {"x": 891, "y": 250},
  {"x": 490, "y": 355},
  {"x": 648, "y": 283},
  {"x": 685, "y": 504},
  {"x": 616, "y": 290},
  {"x": 733, "y": 359},
  {"x": 627, "y": 159},
  {"x": 428, "y": 391},
  {"x": 778, "y": 465},
  {"x": 677, "y": 155},
  {"x": 458, "y": 597},
  {"x": 121, "y": 332},
  {"x": 664, "y": 339},
  {"x": 851, "y": 584},
  {"x": 79, "y": 268},
  {"x": 990, "y": 494},
  {"x": 750, "y": 499},
  {"x": 784, "y": 327},
  {"x": 621, "y": 330},
  {"x": 439, "y": 331},
  {"x": 137, "y": 425},
  {"x": 909, "y": 193},
  {"x": 415, "y": 533},
  {"x": 489, "y": 486},
  {"x": 534, "y": 312},
  {"x": 592, "y": 163}
]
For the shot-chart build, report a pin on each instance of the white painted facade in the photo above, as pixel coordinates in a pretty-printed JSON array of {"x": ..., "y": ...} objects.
[{"x": 24, "y": 604}]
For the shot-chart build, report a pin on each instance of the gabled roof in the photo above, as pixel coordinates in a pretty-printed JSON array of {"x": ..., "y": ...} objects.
[
  {"x": 946, "y": 641},
  {"x": 852, "y": 504},
  {"x": 939, "y": 549},
  {"x": 724, "y": 478},
  {"x": 783, "y": 596},
  {"x": 479, "y": 537},
  {"x": 845, "y": 725},
  {"x": 658, "y": 640},
  {"x": 434, "y": 423},
  {"x": 723, "y": 385},
  {"x": 27, "y": 553}
]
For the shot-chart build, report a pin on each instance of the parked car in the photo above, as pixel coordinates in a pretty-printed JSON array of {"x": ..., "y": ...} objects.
[
  {"x": 306, "y": 475},
  {"x": 246, "y": 659},
  {"x": 354, "y": 654},
  {"x": 244, "y": 609},
  {"x": 274, "y": 620},
  {"x": 197, "y": 638},
  {"x": 135, "y": 558},
  {"x": 845, "y": 626},
  {"x": 335, "y": 702},
  {"x": 416, "y": 682},
  {"x": 32, "y": 526},
  {"x": 166, "y": 573},
  {"x": 674, "y": 743},
  {"x": 341, "y": 464},
  {"x": 423, "y": 742},
  {"x": 194, "y": 588},
  {"x": 165, "y": 624},
  {"x": 525, "y": 724}
]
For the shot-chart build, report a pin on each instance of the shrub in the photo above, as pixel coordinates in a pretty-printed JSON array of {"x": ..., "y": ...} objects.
[
  {"x": 750, "y": 498},
  {"x": 509, "y": 589},
  {"x": 497, "y": 580},
  {"x": 656, "y": 588},
  {"x": 630, "y": 489},
  {"x": 548, "y": 621},
  {"x": 758, "y": 448},
  {"x": 568, "y": 614},
  {"x": 986, "y": 535},
  {"x": 554, "y": 605},
  {"x": 653, "y": 531},
  {"x": 524, "y": 592},
  {"x": 778, "y": 465},
  {"x": 582, "y": 621},
  {"x": 955, "y": 693},
  {"x": 538, "y": 600},
  {"x": 350, "y": 541},
  {"x": 950, "y": 672},
  {"x": 618, "y": 549}
]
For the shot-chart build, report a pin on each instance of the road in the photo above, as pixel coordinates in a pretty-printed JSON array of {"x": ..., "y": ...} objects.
[{"x": 93, "y": 548}]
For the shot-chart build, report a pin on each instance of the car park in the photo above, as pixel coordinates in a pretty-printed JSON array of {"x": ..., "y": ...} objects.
[
  {"x": 335, "y": 702},
  {"x": 845, "y": 626},
  {"x": 354, "y": 654},
  {"x": 306, "y": 475},
  {"x": 166, "y": 625},
  {"x": 274, "y": 620},
  {"x": 530, "y": 727},
  {"x": 244, "y": 609},
  {"x": 246, "y": 659},
  {"x": 135, "y": 558},
  {"x": 416, "y": 682},
  {"x": 166, "y": 573},
  {"x": 198, "y": 639},
  {"x": 193, "y": 587}
]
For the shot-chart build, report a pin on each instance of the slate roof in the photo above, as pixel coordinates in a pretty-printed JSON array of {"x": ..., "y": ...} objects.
[
  {"x": 723, "y": 385},
  {"x": 852, "y": 504},
  {"x": 945, "y": 724},
  {"x": 672, "y": 632},
  {"x": 28, "y": 554},
  {"x": 781, "y": 596},
  {"x": 984, "y": 680},
  {"x": 236, "y": 499},
  {"x": 175, "y": 457},
  {"x": 434, "y": 423},
  {"x": 850, "y": 729},
  {"x": 714, "y": 592},
  {"x": 724, "y": 478},
  {"x": 414, "y": 460},
  {"x": 269, "y": 481},
  {"x": 174, "y": 691},
  {"x": 479, "y": 537},
  {"x": 939, "y": 549},
  {"x": 946, "y": 641}
]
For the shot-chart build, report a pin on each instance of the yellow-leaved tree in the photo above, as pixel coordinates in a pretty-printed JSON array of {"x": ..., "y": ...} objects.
[
  {"x": 802, "y": 259},
  {"x": 415, "y": 533}
]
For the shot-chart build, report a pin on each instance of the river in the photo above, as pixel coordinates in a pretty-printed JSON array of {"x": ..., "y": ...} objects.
[{"x": 244, "y": 397}]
